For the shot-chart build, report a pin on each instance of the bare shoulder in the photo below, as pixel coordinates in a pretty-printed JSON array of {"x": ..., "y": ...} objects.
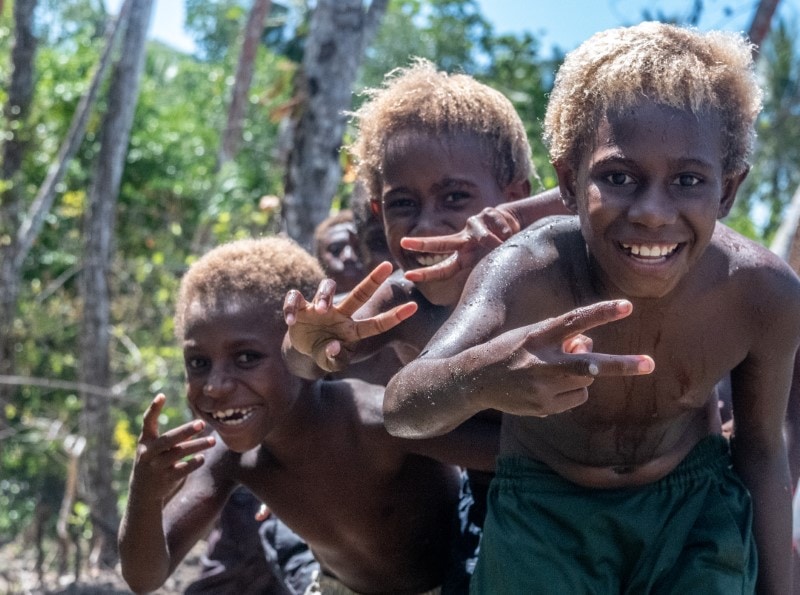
[
  {"x": 759, "y": 271},
  {"x": 364, "y": 401}
]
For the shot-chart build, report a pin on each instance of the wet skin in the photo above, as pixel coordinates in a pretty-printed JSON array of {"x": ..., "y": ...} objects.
[
  {"x": 648, "y": 212},
  {"x": 702, "y": 301}
]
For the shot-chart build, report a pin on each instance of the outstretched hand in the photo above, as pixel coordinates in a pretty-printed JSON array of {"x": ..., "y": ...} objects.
[
  {"x": 554, "y": 362},
  {"x": 164, "y": 460},
  {"x": 482, "y": 233},
  {"x": 326, "y": 331}
]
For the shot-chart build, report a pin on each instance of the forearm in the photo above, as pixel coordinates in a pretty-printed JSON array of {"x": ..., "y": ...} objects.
[
  {"x": 767, "y": 479},
  {"x": 529, "y": 210},
  {"x": 421, "y": 402},
  {"x": 143, "y": 550}
]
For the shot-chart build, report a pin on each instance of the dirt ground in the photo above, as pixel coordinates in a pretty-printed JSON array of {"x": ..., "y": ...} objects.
[{"x": 18, "y": 576}]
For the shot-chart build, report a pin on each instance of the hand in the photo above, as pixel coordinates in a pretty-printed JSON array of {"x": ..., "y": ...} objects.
[
  {"x": 482, "y": 233},
  {"x": 161, "y": 460},
  {"x": 327, "y": 332},
  {"x": 551, "y": 364}
]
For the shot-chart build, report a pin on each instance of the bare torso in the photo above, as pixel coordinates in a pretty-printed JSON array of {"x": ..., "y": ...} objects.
[
  {"x": 636, "y": 429},
  {"x": 376, "y": 518}
]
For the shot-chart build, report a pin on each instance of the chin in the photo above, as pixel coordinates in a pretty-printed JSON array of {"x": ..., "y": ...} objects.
[{"x": 442, "y": 293}]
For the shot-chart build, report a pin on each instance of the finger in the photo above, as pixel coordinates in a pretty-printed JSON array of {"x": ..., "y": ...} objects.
[
  {"x": 384, "y": 321},
  {"x": 435, "y": 244},
  {"x": 581, "y": 319},
  {"x": 181, "y": 434},
  {"x": 293, "y": 303},
  {"x": 443, "y": 270},
  {"x": 601, "y": 364},
  {"x": 263, "y": 513},
  {"x": 150, "y": 420},
  {"x": 186, "y": 466},
  {"x": 365, "y": 289},
  {"x": 481, "y": 234},
  {"x": 324, "y": 296},
  {"x": 578, "y": 344}
]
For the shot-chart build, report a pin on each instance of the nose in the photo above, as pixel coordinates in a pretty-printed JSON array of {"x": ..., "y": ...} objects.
[
  {"x": 218, "y": 384},
  {"x": 653, "y": 208},
  {"x": 348, "y": 254},
  {"x": 434, "y": 221}
]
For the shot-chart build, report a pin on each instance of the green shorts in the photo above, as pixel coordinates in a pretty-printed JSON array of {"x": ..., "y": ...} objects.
[{"x": 689, "y": 532}]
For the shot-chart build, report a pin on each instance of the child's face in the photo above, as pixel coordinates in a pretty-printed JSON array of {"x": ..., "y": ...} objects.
[
  {"x": 235, "y": 376},
  {"x": 431, "y": 186},
  {"x": 340, "y": 259},
  {"x": 649, "y": 195}
]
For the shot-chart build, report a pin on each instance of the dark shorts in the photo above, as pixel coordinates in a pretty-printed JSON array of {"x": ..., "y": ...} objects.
[{"x": 690, "y": 532}]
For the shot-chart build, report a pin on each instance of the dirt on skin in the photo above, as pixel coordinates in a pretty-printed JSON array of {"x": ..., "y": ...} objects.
[{"x": 18, "y": 575}]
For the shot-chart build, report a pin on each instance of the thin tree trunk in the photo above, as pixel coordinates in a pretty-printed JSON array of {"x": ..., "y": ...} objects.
[
  {"x": 340, "y": 31},
  {"x": 98, "y": 253},
  {"x": 762, "y": 21},
  {"x": 232, "y": 135},
  {"x": 20, "y": 94}
]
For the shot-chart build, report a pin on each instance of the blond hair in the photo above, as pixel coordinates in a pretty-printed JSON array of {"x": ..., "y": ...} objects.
[
  {"x": 258, "y": 272},
  {"x": 420, "y": 98},
  {"x": 676, "y": 66}
]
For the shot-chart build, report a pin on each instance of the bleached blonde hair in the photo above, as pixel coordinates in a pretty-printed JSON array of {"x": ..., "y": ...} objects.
[
  {"x": 257, "y": 272},
  {"x": 676, "y": 66},
  {"x": 420, "y": 98}
]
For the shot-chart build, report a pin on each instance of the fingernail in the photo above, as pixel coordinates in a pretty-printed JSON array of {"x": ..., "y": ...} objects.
[
  {"x": 593, "y": 369},
  {"x": 646, "y": 366}
]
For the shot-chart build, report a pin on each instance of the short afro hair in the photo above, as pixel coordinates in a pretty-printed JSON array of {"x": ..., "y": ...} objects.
[
  {"x": 676, "y": 66},
  {"x": 251, "y": 271},
  {"x": 419, "y": 98}
]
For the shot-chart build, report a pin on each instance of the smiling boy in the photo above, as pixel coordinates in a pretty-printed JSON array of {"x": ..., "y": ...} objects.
[
  {"x": 631, "y": 488},
  {"x": 376, "y": 512}
]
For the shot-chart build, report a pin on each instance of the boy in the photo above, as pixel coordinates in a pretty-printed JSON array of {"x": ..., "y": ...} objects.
[
  {"x": 336, "y": 248},
  {"x": 378, "y": 516},
  {"x": 435, "y": 152},
  {"x": 630, "y": 489}
]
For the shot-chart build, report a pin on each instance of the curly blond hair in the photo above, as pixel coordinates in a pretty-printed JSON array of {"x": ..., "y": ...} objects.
[
  {"x": 419, "y": 98},
  {"x": 257, "y": 272},
  {"x": 677, "y": 66}
]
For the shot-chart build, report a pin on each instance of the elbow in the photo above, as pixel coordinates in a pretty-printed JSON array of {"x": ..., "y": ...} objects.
[{"x": 407, "y": 418}]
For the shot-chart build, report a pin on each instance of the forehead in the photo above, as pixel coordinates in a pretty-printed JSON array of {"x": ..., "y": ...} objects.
[
  {"x": 415, "y": 154},
  {"x": 235, "y": 315},
  {"x": 339, "y": 232},
  {"x": 650, "y": 130}
]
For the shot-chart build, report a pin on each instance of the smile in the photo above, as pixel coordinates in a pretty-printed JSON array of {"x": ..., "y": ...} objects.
[
  {"x": 650, "y": 250},
  {"x": 427, "y": 260},
  {"x": 232, "y": 417}
]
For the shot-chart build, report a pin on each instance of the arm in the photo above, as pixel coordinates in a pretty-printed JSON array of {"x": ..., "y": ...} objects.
[
  {"x": 793, "y": 424},
  {"x": 482, "y": 233},
  {"x": 323, "y": 336},
  {"x": 471, "y": 365},
  {"x": 160, "y": 471},
  {"x": 760, "y": 388}
]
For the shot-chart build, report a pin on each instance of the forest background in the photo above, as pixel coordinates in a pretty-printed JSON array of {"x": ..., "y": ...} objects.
[{"x": 122, "y": 159}]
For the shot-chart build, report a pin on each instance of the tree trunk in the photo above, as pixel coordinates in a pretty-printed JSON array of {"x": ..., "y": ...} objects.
[
  {"x": 98, "y": 254},
  {"x": 762, "y": 21},
  {"x": 21, "y": 225},
  {"x": 232, "y": 135},
  {"x": 20, "y": 94},
  {"x": 340, "y": 31}
]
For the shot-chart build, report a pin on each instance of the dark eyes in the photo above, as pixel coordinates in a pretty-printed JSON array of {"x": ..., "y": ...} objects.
[
  {"x": 619, "y": 179},
  {"x": 196, "y": 363},
  {"x": 687, "y": 180}
]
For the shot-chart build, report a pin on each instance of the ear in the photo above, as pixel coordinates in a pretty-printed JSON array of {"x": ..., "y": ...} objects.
[
  {"x": 566, "y": 184},
  {"x": 729, "y": 188},
  {"x": 517, "y": 189}
]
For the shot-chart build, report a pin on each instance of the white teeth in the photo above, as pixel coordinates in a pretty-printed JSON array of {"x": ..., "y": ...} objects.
[
  {"x": 232, "y": 417},
  {"x": 428, "y": 260},
  {"x": 651, "y": 250}
]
